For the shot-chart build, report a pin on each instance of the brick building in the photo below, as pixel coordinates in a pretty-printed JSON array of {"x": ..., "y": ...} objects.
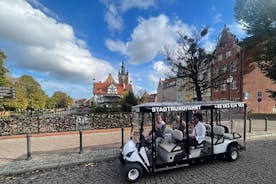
[
  {"x": 108, "y": 93},
  {"x": 236, "y": 76}
]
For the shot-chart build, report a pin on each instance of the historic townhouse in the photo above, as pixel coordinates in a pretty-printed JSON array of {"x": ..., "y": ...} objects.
[
  {"x": 236, "y": 76},
  {"x": 108, "y": 93}
]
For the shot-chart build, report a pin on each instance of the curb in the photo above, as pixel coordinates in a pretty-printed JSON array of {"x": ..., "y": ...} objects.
[{"x": 19, "y": 167}]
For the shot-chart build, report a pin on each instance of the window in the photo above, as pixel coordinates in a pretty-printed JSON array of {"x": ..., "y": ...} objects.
[
  {"x": 224, "y": 69},
  {"x": 216, "y": 72},
  {"x": 216, "y": 87},
  {"x": 234, "y": 84},
  {"x": 112, "y": 89},
  {"x": 224, "y": 86},
  {"x": 220, "y": 57},
  {"x": 228, "y": 53},
  {"x": 234, "y": 66}
]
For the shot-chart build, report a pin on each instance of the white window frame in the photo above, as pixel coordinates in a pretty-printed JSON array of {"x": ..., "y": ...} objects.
[
  {"x": 234, "y": 66},
  {"x": 112, "y": 89},
  {"x": 220, "y": 57},
  {"x": 228, "y": 54}
]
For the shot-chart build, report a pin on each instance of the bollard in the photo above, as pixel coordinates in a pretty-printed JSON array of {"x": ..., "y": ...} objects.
[
  {"x": 81, "y": 149},
  {"x": 266, "y": 118},
  {"x": 28, "y": 136},
  {"x": 38, "y": 125},
  {"x": 249, "y": 125},
  {"x": 122, "y": 130}
]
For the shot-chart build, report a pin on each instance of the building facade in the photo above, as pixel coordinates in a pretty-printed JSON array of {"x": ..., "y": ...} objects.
[
  {"x": 109, "y": 92},
  {"x": 236, "y": 76}
]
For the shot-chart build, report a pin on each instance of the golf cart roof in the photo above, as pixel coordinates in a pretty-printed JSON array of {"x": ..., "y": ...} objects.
[{"x": 186, "y": 106}]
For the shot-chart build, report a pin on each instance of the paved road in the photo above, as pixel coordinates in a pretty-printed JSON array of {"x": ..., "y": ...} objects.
[{"x": 256, "y": 165}]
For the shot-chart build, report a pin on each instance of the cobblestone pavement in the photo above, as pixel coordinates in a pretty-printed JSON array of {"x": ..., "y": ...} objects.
[{"x": 256, "y": 165}]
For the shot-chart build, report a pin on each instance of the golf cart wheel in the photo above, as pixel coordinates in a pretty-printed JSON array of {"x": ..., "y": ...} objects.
[
  {"x": 132, "y": 172},
  {"x": 232, "y": 154}
]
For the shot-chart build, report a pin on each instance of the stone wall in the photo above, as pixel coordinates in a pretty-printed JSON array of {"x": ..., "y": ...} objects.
[{"x": 44, "y": 124}]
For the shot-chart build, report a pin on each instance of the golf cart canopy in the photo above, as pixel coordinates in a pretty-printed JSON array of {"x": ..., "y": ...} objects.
[{"x": 186, "y": 106}]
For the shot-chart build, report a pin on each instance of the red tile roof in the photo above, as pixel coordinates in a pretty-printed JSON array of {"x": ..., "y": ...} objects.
[{"x": 100, "y": 88}]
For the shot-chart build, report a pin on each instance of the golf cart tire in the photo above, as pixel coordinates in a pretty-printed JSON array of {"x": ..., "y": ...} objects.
[
  {"x": 132, "y": 172},
  {"x": 232, "y": 154}
]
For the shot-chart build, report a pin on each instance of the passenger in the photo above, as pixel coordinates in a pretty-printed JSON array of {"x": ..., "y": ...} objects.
[
  {"x": 200, "y": 131},
  {"x": 192, "y": 130},
  {"x": 160, "y": 126},
  {"x": 178, "y": 124}
]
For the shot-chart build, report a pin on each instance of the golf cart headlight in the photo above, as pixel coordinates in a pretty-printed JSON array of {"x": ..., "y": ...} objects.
[{"x": 129, "y": 154}]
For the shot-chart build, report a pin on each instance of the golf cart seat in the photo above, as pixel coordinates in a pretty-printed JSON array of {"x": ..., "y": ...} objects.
[
  {"x": 218, "y": 132},
  {"x": 167, "y": 151}
]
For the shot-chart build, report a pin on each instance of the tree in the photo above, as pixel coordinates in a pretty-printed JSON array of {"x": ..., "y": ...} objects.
[
  {"x": 190, "y": 61},
  {"x": 3, "y": 79},
  {"x": 29, "y": 94},
  {"x": 128, "y": 100},
  {"x": 142, "y": 96},
  {"x": 61, "y": 99},
  {"x": 259, "y": 18}
]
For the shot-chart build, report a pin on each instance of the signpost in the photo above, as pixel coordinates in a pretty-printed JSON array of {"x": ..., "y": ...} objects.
[{"x": 7, "y": 92}]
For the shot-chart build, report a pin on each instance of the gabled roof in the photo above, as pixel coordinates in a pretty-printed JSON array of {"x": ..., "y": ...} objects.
[
  {"x": 109, "y": 79},
  {"x": 100, "y": 88}
]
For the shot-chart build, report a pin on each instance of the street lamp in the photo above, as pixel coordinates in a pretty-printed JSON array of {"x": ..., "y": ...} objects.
[{"x": 229, "y": 81}]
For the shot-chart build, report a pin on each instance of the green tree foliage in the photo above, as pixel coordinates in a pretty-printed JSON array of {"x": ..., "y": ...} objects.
[
  {"x": 189, "y": 60},
  {"x": 29, "y": 94},
  {"x": 259, "y": 18},
  {"x": 61, "y": 100},
  {"x": 128, "y": 100},
  {"x": 142, "y": 96},
  {"x": 3, "y": 80}
]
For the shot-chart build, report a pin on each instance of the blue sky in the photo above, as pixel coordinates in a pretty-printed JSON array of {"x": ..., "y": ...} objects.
[{"x": 65, "y": 44}]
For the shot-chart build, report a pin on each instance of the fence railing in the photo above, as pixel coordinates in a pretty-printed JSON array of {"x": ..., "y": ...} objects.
[{"x": 81, "y": 145}]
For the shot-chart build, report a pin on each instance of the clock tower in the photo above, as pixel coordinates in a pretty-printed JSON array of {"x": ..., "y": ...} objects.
[{"x": 123, "y": 75}]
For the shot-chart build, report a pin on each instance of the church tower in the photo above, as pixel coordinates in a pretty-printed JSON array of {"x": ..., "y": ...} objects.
[{"x": 123, "y": 75}]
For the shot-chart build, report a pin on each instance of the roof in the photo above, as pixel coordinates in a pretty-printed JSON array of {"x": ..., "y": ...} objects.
[
  {"x": 185, "y": 106},
  {"x": 100, "y": 88}
]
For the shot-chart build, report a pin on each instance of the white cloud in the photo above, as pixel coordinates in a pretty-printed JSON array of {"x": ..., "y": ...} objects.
[
  {"x": 150, "y": 37},
  {"x": 142, "y": 4},
  {"x": 113, "y": 15},
  {"x": 218, "y": 18},
  {"x": 238, "y": 29},
  {"x": 160, "y": 71},
  {"x": 43, "y": 8},
  {"x": 116, "y": 45},
  {"x": 113, "y": 18},
  {"x": 207, "y": 43},
  {"x": 42, "y": 44}
]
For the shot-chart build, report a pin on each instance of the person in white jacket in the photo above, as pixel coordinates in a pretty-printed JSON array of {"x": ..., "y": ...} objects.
[{"x": 198, "y": 137}]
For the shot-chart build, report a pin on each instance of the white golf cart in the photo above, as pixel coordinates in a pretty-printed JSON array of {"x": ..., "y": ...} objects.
[{"x": 142, "y": 153}]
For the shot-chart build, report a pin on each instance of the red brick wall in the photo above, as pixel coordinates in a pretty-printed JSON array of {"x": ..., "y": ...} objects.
[{"x": 254, "y": 81}]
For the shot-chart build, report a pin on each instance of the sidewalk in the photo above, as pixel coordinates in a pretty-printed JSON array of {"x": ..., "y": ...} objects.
[
  {"x": 58, "y": 149},
  {"x": 62, "y": 149}
]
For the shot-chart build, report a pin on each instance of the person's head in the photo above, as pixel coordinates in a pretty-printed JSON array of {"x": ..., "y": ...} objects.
[
  {"x": 159, "y": 119},
  {"x": 191, "y": 125},
  {"x": 177, "y": 117},
  {"x": 197, "y": 117}
]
